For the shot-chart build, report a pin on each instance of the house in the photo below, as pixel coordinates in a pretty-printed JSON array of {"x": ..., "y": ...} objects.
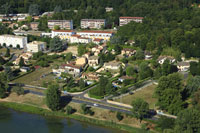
[
  {"x": 112, "y": 66},
  {"x": 93, "y": 61},
  {"x": 125, "y": 20},
  {"x": 36, "y": 46},
  {"x": 71, "y": 68},
  {"x": 97, "y": 41},
  {"x": 24, "y": 69},
  {"x": 128, "y": 52},
  {"x": 131, "y": 42},
  {"x": 90, "y": 76},
  {"x": 13, "y": 41},
  {"x": 25, "y": 56},
  {"x": 34, "y": 25},
  {"x": 162, "y": 59},
  {"x": 183, "y": 66},
  {"x": 109, "y": 9},
  {"x": 122, "y": 78},
  {"x": 81, "y": 61},
  {"x": 63, "y": 24},
  {"x": 148, "y": 55},
  {"x": 93, "y": 23}
]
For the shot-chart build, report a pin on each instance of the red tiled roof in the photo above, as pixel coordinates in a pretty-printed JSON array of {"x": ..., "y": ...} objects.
[
  {"x": 76, "y": 35},
  {"x": 131, "y": 18},
  {"x": 95, "y": 31},
  {"x": 63, "y": 30},
  {"x": 97, "y": 39}
]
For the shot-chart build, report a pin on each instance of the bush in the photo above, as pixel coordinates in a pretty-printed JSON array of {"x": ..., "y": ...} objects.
[
  {"x": 69, "y": 110},
  {"x": 18, "y": 90},
  {"x": 119, "y": 116}
]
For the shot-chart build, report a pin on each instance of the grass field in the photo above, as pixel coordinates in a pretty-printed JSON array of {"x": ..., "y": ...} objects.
[{"x": 145, "y": 93}]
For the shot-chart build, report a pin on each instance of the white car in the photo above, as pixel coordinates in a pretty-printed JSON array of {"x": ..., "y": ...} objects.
[{"x": 95, "y": 104}]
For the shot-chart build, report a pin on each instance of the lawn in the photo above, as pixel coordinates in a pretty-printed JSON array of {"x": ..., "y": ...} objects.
[
  {"x": 35, "y": 78},
  {"x": 145, "y": 93},
  {"x": 3, "y": 50}
]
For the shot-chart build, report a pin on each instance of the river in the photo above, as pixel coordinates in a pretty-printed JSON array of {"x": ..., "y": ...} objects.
[{"x": 20, "y": 122}]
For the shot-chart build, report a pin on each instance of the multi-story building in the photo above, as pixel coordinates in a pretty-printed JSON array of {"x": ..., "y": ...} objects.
[
  {"x": 93, "y": 23},
  {"x": 105, "y": 35},
  {"x": 63, "y": 24},
  {"x": 126, "y": 20},
  {"x": 79, "y": 39},
  {"x": 62, "y": 34},
  {"x": 36, "y": 46},
  {"x": 13, "y": 41}
]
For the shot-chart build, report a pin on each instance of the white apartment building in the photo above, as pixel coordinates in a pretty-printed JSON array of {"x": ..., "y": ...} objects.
[
  {"x": 13, "y": 41},
  {"x": 126, "y": 20},
  {"x": 36, "y": 46},
  {"x": 105, "y": 35},
  {"x": 62, "y": 34},
  {"x": 79, "y": 39},
  {"x": 93, "y": 23},
  {"x": 63, "y": 24}
]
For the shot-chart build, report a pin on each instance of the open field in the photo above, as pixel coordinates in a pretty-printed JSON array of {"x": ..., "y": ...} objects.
[
  {"x": 16, "y": 51},
  {"x": 145, "y": 93}
]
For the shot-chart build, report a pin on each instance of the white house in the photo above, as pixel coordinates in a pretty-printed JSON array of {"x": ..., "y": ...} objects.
[
  {"x": 14, "y": 41},
  {"x": 162, "y": 59},
  {"x": 126, "y": 20},
  {"x": 93, "y": 61},
  {"x": 36, "y": 46},
  {"x": 112, "y": 66},
  {"x": 183, "y": 66},
  {"x": 93, "y": 23}
]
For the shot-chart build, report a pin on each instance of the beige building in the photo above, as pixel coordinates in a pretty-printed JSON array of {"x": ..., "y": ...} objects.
[
  {"x": 112, "y": 66},
  {"x": 81, "y": 61},
  {"x": 128, "y": 52},
  {"x": 34, "y": 25},
  {"x": 93, "y": 61},
  {"x": 90, "y": 76},
  {"x": 63, "y": 24},
  {"x": 36, "y": 46},
  {"x": 126, "y": 20},
  {"x": 93, "y": 23}
]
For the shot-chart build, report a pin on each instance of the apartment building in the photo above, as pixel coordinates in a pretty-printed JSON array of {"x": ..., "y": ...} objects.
[
  {"x": 13, "y": 41},
  {"x": 36, "y": 46},
  {"x": 126, "y": 20},
  {"x": 105, "y": 35},
  {"x": 63, "y": 24},
  {"x": 93, "y": 23},
  {"x": 62, "y": 34}
]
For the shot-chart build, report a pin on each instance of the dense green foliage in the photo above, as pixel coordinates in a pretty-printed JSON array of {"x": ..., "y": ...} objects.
[
  {"x": 170, "y": 93},
  {"x": 53, "y": 97},
  {"x": 3, "y": 85},
  {"x": 18, "y": 89},
  {"x": 140, "y": 108}
]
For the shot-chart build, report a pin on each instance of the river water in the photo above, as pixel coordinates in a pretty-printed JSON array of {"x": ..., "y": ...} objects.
[{"x": 19, "y": 122}]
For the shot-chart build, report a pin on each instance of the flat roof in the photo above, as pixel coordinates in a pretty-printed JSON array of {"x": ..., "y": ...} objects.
[
  {"x": 63, "y": 30},
  {"x": 131, "y": 18},
  {"x": 94, "y": 31},
  {"x": 14, "y": 36}
]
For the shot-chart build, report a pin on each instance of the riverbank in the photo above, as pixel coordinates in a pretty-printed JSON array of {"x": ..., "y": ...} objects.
[{"x": 45, "y": 112}]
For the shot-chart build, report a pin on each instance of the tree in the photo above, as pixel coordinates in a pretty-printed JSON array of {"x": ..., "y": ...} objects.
[
  {"x": 193, "y": 84},
  {"x": 56, "y": 45},
  {"x": 169, "y": 93},
  {"x": 188, "y": 121},
  {"x": 58, "y": 9},
  {"x": 3, "y": 85},
  {"x": 68, "y": 56},
  {"x": 18, "y": 89},
  {"x": 81, "y": 49},
  {"x": 56, "y": 27},
  {"x": 7, "y": 52},
  {"x": 21, "y": 62},
  {"x": 145, "y": 71},
  {"x": 130, "y": 71},
  {"x": 53, "y": 97},
  {"x": 119, "y": 116},
  {"x": 29, "y": 19},
  {"x": 34, "y": 10},
  {"x": 82, "y": 83},
  {"x": 108, "y": 88},
  {"x": 2, "y": 61},
  {"x": 69, "y": 110},
  {"x": 140, "y": 108},
  {"x": 139, "y": 54},
  {"x": 165, "y": 123},
  {"x": 9, "y": 73}
]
